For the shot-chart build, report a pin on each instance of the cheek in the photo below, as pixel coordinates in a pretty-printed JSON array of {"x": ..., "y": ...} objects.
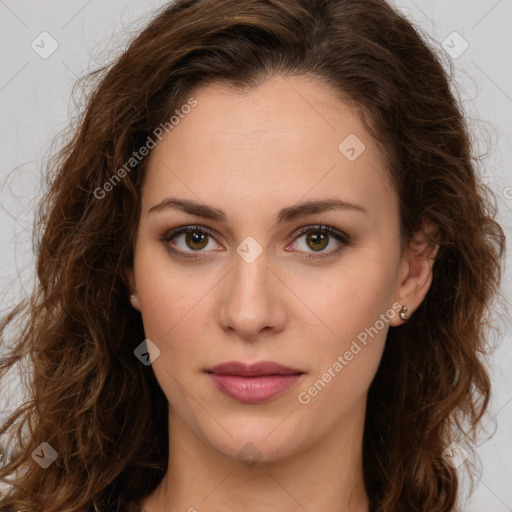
[
  {"x": 173, "y": 303},
  {"x": 353, "y": 307},
  {"x": 172, "y": 300},
  {"x": 343, "y": 369},
  {"x": 351, "y": 297}
]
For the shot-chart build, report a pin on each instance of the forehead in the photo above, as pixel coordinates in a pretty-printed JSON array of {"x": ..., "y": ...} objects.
[{"x": 286, "y": 139}]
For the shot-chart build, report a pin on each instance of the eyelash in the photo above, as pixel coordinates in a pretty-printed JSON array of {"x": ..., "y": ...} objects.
[{"x": 318, "y": 228}]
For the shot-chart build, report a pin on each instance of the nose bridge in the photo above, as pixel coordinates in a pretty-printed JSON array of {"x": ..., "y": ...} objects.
[
  {"x": 250, "y": 288},
  {"x": 250, "y": 301},
  {"x": 250, "y": 273}
]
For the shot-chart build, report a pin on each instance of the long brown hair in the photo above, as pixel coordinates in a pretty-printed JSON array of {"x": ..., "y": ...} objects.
[{"x": 94, "y": 402}]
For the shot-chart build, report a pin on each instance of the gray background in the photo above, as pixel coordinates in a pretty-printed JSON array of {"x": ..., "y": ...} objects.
[{"x": 36, "y": 103}]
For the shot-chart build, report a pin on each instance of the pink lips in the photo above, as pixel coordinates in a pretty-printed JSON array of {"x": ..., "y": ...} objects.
[{"x": 253, "y": 383}]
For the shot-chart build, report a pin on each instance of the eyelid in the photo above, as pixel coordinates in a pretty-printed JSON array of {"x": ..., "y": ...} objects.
[
  {"x": 189, "y": 227},
  {"x": 320, "y": 227}
]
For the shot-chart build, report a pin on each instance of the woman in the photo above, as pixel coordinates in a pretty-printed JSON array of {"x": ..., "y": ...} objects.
[{"x": 265, "y": 261}]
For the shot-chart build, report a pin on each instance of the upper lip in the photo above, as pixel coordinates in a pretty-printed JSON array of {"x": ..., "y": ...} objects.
[{"x": 253, "y": 370}]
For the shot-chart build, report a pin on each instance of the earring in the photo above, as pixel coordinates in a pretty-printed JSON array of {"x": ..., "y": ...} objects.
[
  {"x": 132, "y": 297},
  {"x": 403, "y": 313}
]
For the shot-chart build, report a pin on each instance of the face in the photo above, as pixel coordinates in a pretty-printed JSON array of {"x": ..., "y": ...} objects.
[{"x": 239, "y": 268}]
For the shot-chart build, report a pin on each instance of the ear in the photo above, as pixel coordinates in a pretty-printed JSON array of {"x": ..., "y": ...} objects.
[
  {"x": 415, "y": 275},
  {"x": 132, "y": 286}
]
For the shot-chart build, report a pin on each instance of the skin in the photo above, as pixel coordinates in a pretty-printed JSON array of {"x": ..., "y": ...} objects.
[{"x": 250, "y": 154}]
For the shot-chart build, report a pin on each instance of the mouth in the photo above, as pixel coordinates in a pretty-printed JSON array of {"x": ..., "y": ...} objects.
[{"x": 253, "y": 383}]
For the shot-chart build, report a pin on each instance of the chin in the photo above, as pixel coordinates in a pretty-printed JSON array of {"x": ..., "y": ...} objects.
[{"x": 259, "y": 441}]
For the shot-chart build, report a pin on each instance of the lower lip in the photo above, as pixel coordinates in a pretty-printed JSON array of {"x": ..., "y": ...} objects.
[{"x": 253, "y": 390}]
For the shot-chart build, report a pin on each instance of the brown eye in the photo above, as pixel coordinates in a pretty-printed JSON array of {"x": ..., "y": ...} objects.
[
  {"x": 317, "y": 241},
  {"x": 187, "y": 240},
  {"x": 196, "y": 240},
  {"x": 314, "y": 239}
]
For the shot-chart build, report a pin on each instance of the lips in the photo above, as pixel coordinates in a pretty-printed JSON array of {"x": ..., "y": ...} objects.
[
  {"x": 253, "y": 383},
  {"x": 253, "y": 370}
]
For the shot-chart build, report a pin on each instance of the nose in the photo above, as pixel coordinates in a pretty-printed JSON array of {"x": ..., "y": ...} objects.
[{"x": 252, "y": 299}]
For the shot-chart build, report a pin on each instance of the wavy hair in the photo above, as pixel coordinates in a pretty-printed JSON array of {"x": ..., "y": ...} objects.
[{"x": 90, "y": 398}]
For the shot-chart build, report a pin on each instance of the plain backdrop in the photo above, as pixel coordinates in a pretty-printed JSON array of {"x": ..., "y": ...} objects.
[{"x": 36, "y": 80}]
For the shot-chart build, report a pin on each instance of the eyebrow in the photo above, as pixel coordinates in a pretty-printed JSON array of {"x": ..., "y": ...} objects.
[{"x": 285, "y": 215}]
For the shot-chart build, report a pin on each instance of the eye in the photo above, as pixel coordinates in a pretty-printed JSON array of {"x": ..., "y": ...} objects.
[
  {"x": 189, "y": 239},
  {"x": 317, "y": 238}
]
